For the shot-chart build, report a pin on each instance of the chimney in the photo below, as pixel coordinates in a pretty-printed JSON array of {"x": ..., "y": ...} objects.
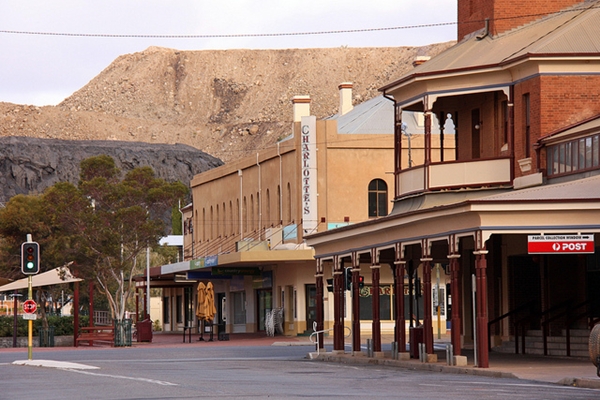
[
  {"x": 301, "y": 107},
  {"x": 345, "y": 89},
  {"x": 420, "y": 60}
]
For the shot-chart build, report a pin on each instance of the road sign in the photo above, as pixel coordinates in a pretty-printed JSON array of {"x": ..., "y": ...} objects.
[
  {"x": 29, "y": 306},
  {"x": 560, "y": 244}
]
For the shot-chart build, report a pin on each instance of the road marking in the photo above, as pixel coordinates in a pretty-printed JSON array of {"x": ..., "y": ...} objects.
[{"x": 157, "y": 382}]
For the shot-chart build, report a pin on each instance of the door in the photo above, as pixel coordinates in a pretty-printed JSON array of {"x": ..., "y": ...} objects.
[
  {"x": 311, "y": 306},
  {"x": 264, "y": 300}
]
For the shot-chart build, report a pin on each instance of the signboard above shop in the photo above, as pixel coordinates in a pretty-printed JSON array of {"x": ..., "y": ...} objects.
[{"x": 560, "y": 244}]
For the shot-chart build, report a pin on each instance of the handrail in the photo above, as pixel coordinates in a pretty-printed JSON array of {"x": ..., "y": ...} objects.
[
  {"x": 573, "y": 318},
  {"x": 517, "y": 310},
  {"x": 545, "y": 320},
  {"x": 316, "y": 333}
]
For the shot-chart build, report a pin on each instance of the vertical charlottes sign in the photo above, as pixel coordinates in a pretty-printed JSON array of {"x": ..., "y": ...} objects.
[{"x": 308, "y": 169}]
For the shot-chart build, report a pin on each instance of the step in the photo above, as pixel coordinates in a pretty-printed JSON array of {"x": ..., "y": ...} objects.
[{"x": 583, "y": 333}]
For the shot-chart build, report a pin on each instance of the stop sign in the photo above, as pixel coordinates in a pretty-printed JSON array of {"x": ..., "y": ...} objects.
[{"x": 29, "y": 306}]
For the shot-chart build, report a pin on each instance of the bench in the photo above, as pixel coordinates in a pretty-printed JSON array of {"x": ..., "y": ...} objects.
[{"x": 91, "y": 334}]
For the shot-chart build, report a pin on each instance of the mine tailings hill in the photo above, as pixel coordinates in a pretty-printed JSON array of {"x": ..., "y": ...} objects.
[{"x": 226, "y": 103}]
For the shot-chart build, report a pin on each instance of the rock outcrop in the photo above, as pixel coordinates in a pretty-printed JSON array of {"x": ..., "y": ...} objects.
[{"x": 30, "y": 165}]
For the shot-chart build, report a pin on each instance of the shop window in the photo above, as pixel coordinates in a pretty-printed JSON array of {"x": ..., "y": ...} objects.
[{"x": 378, "y": 203}]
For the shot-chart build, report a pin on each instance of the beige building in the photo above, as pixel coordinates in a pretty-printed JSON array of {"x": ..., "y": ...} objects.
[{"x": 245, "y": 228}]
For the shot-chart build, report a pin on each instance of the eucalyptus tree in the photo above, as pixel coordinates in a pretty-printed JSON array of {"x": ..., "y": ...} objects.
[{"x": 101, "y": 226}]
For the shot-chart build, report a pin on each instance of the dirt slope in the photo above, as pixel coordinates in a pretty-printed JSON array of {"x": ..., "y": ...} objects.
[{"x": 227, "y": 103}]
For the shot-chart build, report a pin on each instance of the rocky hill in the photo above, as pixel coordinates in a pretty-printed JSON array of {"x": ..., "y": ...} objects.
[
  {"x": 30, "y": 165},
  {"x": 227, "y": 103}
]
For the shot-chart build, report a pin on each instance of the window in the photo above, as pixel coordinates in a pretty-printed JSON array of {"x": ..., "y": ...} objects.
[
  {"x": 527, "y": 110},
  {"x": 577, "y": 155},
  {"x": 504, "y": 111},
  {"x": 378, "y": 198},
  {"x": 166, "y": 309},
  {"x": 179, "y": 308}
]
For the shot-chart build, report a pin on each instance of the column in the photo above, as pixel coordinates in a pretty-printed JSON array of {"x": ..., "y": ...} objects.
[
  {"x": 355, "y": 304},
  {"x": 400, "y": 329},
  {"x": 319, "y": 302},
  {"x": 427, "y": 306},
  {"x": 456, "y": 302},
  {"x": 338, "y": 305},
  {"x": 376, "y": 312},
  {"x": 482, "y": 316}
]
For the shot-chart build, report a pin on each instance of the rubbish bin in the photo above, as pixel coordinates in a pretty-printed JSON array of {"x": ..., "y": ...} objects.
[
  {"x": 47, "y": 337},
  {"x": 416, "y": 336},
  {"x": 123, "y": 332},
  {"x": 223, "y": 335},
  {"x": 144, "y": 330}
]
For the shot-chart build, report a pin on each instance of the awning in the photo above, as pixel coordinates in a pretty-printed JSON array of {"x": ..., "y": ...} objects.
[{"x": 53, "y": 277}]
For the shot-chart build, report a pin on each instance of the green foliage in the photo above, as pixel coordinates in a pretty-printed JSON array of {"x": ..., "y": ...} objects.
[
  {"x": 176, "y": 223},
  {"x": 63, "y": 326},
  {"x": 99, "y": 227}
]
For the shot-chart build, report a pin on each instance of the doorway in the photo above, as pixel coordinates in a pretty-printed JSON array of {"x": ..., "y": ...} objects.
[
  {"x": 264, "y": 300},
  {"x": 311, "y": 307}
]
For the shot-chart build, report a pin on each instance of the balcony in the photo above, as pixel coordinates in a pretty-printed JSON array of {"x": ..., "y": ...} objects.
[{"x": 453, "y": 175}]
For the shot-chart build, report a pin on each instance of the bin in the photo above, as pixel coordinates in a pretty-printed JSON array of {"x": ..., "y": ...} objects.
[
  {"x": 47, "y": 337},
  {"x": 144, "y": 330},
  {"x": 223, "y": 335},
  {"x": 123, "y": 333},
  {"x": 416, "y": 336}
]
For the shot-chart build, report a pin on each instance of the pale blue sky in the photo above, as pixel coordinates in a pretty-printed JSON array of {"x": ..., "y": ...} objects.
[{"x": 44, "y": 69}]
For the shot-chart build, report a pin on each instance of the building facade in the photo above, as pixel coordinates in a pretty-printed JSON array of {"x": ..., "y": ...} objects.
[{"x": 511, "y": 221}]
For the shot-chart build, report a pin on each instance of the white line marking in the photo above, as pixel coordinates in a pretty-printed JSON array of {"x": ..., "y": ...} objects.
[{"x": 163, "y": 383}]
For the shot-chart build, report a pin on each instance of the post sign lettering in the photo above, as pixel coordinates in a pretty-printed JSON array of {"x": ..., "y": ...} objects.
[{"x": 560, "y": 244}]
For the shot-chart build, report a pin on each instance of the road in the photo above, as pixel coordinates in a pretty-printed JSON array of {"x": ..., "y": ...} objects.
[{"x": 245, "y": 372}]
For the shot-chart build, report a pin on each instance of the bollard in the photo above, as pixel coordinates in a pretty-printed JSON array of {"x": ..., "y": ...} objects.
[
  {"x": 394, "y": 350},
  {"x": 422, "y": 352},
  {"x": 369, "y": 347},
  {"x": 449, "y": 354}
]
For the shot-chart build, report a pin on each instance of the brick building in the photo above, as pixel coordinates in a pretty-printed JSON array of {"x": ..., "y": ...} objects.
[{"x": 508, "y": 216}]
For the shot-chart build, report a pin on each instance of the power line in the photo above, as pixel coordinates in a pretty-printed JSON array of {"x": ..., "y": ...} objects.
[
  {"x": 214, "y": 36},
  {"x": 281, "y": 34}
]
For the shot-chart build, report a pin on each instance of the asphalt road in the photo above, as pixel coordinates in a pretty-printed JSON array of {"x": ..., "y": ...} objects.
[{"x": 276, "y": 372}]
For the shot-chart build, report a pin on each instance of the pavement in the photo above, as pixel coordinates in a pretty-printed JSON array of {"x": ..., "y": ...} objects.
[{"x": 569, "y": 371}]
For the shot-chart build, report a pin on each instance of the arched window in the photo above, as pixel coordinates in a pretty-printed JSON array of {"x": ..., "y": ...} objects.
[{"x": 378, "y": 202}]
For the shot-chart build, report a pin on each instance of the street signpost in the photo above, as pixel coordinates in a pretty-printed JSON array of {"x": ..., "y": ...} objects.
[
  {"x": 30, "y": 265},
  {"x": 29, "y": 306},
  {"x": 560, "y": 244}
]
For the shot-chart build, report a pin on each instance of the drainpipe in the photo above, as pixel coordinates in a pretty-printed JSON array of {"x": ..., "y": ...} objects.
[
  {"x": 397, "y": 141},
  {"x": 241, "y": 205},
  {"x": 486, "y": 30},
  {"x": 259, "y": 201},
  {"x": 280, "y": 186}
]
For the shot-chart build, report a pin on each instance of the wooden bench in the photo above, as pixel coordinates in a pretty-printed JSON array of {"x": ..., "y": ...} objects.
[{"x": 91, "y": 334}]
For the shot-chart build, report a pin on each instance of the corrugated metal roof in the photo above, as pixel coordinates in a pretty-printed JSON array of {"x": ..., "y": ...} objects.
[
  {"x": 574, "y": 31},
  {"x": 580, "y": 189},
  {"x": 376, "y": 116}
]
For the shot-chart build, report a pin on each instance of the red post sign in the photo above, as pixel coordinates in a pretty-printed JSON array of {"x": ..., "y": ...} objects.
[
  {"x": 560, "y": 244},
  {"x": 29, "y": 306}
]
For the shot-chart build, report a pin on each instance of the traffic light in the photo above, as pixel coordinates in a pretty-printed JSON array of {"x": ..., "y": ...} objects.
[
  {"x": 30, "y": 258},
  {"x": 330, "y": 285},
  {"x": 348, "y": 278},
  {"x": 361, "y": 281}
]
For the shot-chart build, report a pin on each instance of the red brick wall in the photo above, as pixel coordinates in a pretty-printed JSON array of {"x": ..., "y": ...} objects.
[
  {"x": 504, "y": 14},
  {"x": 556, "y": 102}
]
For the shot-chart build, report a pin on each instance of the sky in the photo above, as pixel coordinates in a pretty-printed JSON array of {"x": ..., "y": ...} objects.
[{"x": 50, "y": 49}]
